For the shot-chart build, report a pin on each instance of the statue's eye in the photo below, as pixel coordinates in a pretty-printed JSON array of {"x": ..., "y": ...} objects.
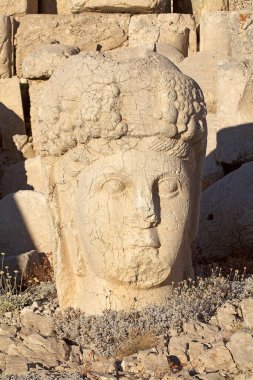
[
  {"x": 114, "y": 186},
  {"x": 168, "y": 187}
]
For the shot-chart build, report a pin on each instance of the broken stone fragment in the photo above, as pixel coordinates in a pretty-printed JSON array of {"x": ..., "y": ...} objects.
[
  {"x": 24, "y": 223},
  {"x": 129, "y": 6},
  {"x": 41, "y": 63}
]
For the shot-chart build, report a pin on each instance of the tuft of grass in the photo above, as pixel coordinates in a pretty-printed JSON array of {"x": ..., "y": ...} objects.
[
  {"x": 113, "y": 332},
  {"x": 14, "y": 297}
]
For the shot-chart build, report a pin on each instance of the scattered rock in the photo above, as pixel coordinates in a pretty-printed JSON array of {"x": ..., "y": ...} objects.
[
  {"x": 247, "y": 312},
  {"x": 241, "y": 348}
]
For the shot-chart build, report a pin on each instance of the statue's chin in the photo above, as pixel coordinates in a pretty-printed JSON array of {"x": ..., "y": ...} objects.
[{"x": 138, "y": 268}]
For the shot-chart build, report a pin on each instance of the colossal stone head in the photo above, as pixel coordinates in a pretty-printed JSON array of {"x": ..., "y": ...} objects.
[{"x": 122, "y": 146}]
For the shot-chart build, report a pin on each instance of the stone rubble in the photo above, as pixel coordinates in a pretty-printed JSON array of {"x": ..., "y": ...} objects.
[{"x": 29, "y": 345}]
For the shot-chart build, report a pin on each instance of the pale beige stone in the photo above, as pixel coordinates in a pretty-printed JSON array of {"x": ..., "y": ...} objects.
[
  {"x": 25, "y": 175},
  {"x": 36, "y": 323},
  {"x": 213, "y": 357},
  {"x": 176, "y": 30},
  {"x": 24, "y": 145},
  {"x": 169, "y": 52},
  {"x": 11, "y": 114},
  {"x": 240, "y": 4},
  {"x": 234, "y": 112},
  {"x": 87, "y": 32},
  {"x": 200, "y": 7},
  {"x": 213, "y": 170},
  {"x": 220, "y": 236},
  {"x": 6, "y": 52},
  {"x": 247, "y": 312},
  {"x": 203, "y": 68},
  {"x": 63, "y": 7},
  {"x": 119, "y": 243},
  {"x": 16, "y": 365},
  {"x": 227, "y": 317},
  {"x": 5, "y": 342},
  {"x": 35, "y": 91},
  {"x": 24, "y": 223},
  {"x": 18, "y": 8},
  {"x": 230, "y": 32},
  {"x": 41, "y": 63},
  {"x": 241, "y": 347},
  {"x": 129, "y": 6}
]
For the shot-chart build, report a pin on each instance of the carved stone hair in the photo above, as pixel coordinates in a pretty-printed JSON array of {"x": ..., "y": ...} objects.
[{"x": 120, "y": 102}]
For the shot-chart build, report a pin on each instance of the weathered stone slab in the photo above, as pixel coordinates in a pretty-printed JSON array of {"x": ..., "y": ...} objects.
[
  {"x": 25, "y": 175},
  {"x": 241, "y": 347},
  {"x": 230, "y": 32},
  {"x": 129, "y": 6},
  {"x": 213, "y": 171},
  {"x": 35, "y": 91},
  {"x": 172, "y": 29},
  {"x": 88, "y": 32},
  {"x": 199, "y": 7},
  {"x": 226, "y": 215},
  {"x": 6, "y": 51},
  {"x": 203, "y": 68},
  {"x": 234, "y": 112},
  {"x": 41, "y": 63},
  {"x": 239, "y": 4},
  {"x": 24, "y": 223},
  {"x": 11, "y": 114},
  {"x": 18, "y": 8}
]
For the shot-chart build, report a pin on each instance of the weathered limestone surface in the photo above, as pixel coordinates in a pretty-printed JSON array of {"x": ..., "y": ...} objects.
[
  {"x": 240, "y": 4},
  {"x": 86, "y": 31},
  {"x": 6, "y": 47},
  {"x": 212, "y": 169},
  {"x": 25, "y": 175},
  {"x": 35, "y": 91},
  {"x": 230, "y": 32},
  {"x": 41, "y": 63},
  {"x": 176, "y": 30},
  {"x": 18, "y": 8},
  {"x": 241, "y": 347},
  {"x": 203, "y": 68},
  {"x": 129, "y": 6},
  {"x": 24, "y": 223},
  {"x": 235, "y": 112},
  {"x": 199, "y": 7},
  {"x": 220, "y": 235},
  {"x": 115, "y": 235},
  {"x": 11, "y": 114}
]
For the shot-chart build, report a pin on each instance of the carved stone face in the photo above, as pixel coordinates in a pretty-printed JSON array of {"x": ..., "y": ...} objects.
[{"x": 132, "y": 212}]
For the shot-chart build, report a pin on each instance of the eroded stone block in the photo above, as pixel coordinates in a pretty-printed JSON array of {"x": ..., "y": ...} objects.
[
  {"x": 199, "y": 7},
  {"x": 240, "y": 4},
  {"x": 41, "y": 63},
  {"x": 219, "y": 235},
  {"x": 25, "y": 175},
  {"x": 175, "y": 30},
  {"x": 230, "y": 32},
  {"x": 11, "y": 114},
  {"x": 235, "y": 112},
  {"x": 6, "y": 47},
  {"x": 129, "y": 6},
  {"x": 88, "y": 32},
  {"x": 203, "y": 68},
  {"x": 18, "y": 8},
  {"x": 35, "y": 91},
  {"x": 24, "y": 223}
]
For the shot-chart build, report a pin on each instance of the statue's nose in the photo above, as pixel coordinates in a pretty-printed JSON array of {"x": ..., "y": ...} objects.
[{"x": 145, "y": 208}]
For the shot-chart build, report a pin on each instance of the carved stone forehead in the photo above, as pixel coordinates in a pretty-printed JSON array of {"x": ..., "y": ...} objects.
[{"x": 108, "y": 97}]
